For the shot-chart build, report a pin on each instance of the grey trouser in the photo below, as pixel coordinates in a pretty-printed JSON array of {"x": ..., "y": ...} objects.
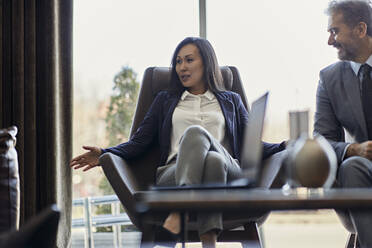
[
  {"x": 356, "y": 172},
  {"x": 200, "y": 159}
]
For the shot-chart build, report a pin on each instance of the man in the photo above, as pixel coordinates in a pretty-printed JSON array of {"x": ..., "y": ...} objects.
[{"x": 344, "y": 101}]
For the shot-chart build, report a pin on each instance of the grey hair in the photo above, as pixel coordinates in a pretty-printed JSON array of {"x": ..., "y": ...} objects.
[{"x": 353, "y": 11}]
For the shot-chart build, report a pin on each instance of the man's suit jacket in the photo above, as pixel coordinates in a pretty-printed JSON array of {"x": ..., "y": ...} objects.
[{"x": 339, "y": 107}]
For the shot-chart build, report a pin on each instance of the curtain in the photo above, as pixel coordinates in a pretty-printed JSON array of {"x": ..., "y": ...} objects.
[{"x": 36, "y": 96}]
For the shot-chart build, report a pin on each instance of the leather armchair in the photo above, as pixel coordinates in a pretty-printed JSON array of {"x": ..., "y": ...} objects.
[
  {"x": 128, "y": 177},
  {"x": 345, "y": 218}
]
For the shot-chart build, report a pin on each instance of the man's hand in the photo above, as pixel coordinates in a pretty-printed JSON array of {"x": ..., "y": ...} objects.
[
  {"x": 364, "y": 150},
  {"x": 87, "y": 160}
]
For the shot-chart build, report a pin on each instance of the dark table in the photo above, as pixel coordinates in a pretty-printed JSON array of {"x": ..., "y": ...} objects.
[
  {"x": 242, "y": 200},
  {"x": 250, "y": 199}
]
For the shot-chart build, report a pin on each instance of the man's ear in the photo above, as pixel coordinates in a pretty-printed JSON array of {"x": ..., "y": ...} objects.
[{"x": 361, "y": 29}]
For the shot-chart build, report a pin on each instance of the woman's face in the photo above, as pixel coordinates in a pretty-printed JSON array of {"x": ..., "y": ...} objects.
[{"x": 190, "y": 69}]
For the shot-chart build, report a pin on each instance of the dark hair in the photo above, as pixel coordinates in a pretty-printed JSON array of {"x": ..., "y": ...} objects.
[
  {"x": 353, "y": 11},
  {"x": 212, "y": 73}
]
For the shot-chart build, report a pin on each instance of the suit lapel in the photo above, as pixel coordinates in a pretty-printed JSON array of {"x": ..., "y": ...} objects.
[{"x": 351, "y": 85}]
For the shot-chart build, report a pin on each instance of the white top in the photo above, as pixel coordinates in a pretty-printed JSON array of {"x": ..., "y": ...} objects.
[
  {"x": 203, "y": 110},
  {"x": 356, "y": 66}
]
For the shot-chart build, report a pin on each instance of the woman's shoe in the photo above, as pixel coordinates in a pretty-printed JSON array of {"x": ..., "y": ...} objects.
[{"x": 165, "y": 237}]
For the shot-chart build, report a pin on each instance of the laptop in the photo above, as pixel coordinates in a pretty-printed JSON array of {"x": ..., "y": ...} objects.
[{"x": 251, "y": 157}]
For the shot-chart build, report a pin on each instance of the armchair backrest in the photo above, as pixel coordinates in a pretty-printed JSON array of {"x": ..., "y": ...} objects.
[{"x": 156, "y": 79}]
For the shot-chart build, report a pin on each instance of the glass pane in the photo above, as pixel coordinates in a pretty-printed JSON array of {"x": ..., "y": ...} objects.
[
  {"x": 276, "y": 45},
  {"x": 112, "y": 36},
  {"x": 109, "y": 35}
]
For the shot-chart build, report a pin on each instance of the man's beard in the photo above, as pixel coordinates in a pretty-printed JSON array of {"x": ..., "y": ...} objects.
[{"x": 345, "y": 53}]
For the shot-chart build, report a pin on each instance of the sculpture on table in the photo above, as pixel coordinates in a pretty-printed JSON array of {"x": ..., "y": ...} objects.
[{"x": 310, "y": 162}]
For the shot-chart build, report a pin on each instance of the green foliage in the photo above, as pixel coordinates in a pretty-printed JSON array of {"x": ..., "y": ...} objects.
[
  {"x": 118, "y": 121},
  {"x": 105, "y": 187},
  {"x": 122, "y": 105},
  {"x": 104, "y": 209}
]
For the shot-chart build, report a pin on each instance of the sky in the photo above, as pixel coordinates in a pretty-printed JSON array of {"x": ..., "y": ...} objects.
[{"x": 278, "y": 46}]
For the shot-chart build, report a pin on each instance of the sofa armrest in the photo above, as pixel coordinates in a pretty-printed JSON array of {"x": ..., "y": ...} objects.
[
  {"x": 9, "y": 181},
  {"x": 40, "y": 231}
]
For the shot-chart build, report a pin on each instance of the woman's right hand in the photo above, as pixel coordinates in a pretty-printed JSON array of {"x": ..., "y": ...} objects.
[{"x": 87, "y": 160}]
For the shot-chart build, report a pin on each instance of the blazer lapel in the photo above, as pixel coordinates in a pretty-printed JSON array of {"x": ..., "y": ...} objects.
[
  {"x": 170, "y": 105},
  {"x": 351, "y": 85},
  {"x": 227, "y": 108}
]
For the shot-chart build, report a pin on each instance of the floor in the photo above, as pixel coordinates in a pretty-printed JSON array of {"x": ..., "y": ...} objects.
[{"x": 282, "y": 229}]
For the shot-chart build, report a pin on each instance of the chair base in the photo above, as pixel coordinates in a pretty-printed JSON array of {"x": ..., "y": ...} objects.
[
  {"x": 249, "y": 237},
  {"x": 352, "y": 241}
]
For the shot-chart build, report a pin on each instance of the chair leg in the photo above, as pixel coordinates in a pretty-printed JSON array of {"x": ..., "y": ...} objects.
[
  {"x": 356, "y": 242},
  {"x": 351, "y": 241},
  {"x": 252, "y": 237},
  {"x": 148, "y": 237}
]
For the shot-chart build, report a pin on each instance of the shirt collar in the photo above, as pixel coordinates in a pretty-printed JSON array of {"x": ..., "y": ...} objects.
[
  {"x": 208, "y": 94},
  {"x": 356, "y": 66}
]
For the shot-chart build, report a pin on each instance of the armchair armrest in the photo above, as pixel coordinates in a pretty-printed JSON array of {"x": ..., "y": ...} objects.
[
  {"x": 272, "y": 171},
  {"x": 118, "y": 169},
  {"x": 122, "y": 179}
]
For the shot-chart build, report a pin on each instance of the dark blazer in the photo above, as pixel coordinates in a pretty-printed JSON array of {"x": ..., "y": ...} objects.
[
  {"x": 339, "y": 107},
  {"x": 158, "y": 124}
]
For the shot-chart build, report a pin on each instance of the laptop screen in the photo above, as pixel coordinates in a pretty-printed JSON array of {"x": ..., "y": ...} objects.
[{"x": 252, "y": 144}]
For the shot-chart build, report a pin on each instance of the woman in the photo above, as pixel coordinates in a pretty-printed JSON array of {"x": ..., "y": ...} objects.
[{"x": 195, "y": 116}]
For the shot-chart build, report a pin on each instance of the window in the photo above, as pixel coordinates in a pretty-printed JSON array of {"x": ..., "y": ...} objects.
[
  {"x": 107, "y": 36},
  {"x": 278, "y": 46}
]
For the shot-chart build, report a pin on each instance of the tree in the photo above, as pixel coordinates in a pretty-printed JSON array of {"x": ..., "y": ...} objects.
[
  {"x": 118, "y": 121},
  {"x": 122, "y": 105}
]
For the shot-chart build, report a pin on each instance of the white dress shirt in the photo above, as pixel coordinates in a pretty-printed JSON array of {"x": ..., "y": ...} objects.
[
  {"x": 203, "y": 110},
  {"x": 356, "y": 67}
]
